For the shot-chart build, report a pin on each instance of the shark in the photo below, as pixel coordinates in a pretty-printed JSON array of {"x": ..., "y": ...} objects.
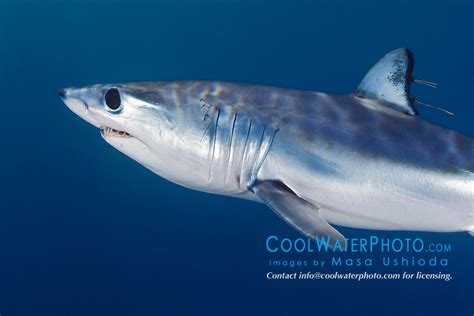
[{"x": 363, "y": 160}]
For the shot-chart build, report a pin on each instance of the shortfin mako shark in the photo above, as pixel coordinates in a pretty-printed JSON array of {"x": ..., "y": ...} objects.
[{"x": 365, "y": 159}]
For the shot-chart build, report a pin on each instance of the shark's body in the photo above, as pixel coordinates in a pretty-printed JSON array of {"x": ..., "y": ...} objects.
[{"x": 362, "y": 160}]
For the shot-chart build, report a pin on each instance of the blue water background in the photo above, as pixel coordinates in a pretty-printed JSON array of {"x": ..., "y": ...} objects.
[{"x": 85, "y": 230}]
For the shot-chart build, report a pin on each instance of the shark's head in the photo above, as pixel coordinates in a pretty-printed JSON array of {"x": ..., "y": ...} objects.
[{"x": 160, "y": 125}]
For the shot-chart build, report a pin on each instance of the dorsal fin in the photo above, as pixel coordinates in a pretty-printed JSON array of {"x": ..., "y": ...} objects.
[{"x": 389, "y": 81}]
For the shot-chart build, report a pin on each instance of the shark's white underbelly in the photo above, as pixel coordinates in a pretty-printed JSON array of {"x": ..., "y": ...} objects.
[{"x": 354, "y": 191}]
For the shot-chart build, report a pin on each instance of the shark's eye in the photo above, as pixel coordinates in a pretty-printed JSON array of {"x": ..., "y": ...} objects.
[{"x": 112, "y": 99}]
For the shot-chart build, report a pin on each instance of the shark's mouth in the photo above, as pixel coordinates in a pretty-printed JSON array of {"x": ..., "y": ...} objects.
[{"x": 110, "y": 132}]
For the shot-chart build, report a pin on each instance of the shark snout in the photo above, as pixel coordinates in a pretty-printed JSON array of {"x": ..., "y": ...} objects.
[
  {"x": 62, "y": 93},
  {"x": 75, "y": 100},
  {"x": 76, "y": 93}
]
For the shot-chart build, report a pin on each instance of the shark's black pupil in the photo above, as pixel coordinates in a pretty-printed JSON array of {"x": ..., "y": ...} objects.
[{"x": 112, "y": 99}]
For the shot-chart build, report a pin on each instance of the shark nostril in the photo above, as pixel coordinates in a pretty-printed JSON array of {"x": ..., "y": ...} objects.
[{"x": 62, "y": 93}]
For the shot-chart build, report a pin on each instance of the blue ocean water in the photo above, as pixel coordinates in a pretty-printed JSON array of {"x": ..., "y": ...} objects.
[{"x": 84, "y": 230}]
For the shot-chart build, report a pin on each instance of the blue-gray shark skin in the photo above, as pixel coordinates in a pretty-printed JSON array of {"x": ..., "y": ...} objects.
[{"x": 363, "y": 160}]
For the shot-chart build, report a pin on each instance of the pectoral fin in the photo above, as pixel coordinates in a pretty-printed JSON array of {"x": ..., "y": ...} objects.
[{"x": 297, "y": 212}]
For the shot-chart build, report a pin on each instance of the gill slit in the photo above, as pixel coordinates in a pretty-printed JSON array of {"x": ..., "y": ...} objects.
[
  {"x": 214, "y": 144},
  {"x": 260, "y": 163},
  {"x": 253, "y": 175},
  {"x": 242, "y": 164},
  {"x": 231, "y": 149}
]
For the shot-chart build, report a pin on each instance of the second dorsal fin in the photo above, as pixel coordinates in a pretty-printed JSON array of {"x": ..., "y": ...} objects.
[{"x": 389, "y": 81}]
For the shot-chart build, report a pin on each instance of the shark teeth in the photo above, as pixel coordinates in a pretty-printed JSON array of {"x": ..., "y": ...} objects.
[{"x": 108, "y": 131}]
